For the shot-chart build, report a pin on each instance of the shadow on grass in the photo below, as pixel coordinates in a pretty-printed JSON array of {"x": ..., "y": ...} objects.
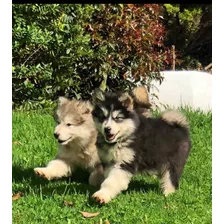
[
  {"x": 142, "y": 186},
  {"x": 20, "y": 174},
  {"x": 27, "y": 182}
]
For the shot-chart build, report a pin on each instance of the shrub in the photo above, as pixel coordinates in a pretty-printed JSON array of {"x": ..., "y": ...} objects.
[
  {"x": 190, "y": 30},
  {"x": 61, "y": 49}
]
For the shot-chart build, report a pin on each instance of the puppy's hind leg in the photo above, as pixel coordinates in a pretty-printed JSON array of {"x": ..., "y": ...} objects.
[
  {"x": 55, "y": 169},
  {"x": 166, "y": 183},
  {"x": 170, "y": 176}
]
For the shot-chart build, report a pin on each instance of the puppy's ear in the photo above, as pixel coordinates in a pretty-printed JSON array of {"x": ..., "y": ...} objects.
[
  {"x": 141, "y": 97},
  {"x": 98, "y": 96},
  {"x": 57, "y": 110},
  {"x": 62, "y": 100},
  {"x": 86, "y": 108},
  {"x": 127, "y": 101}
]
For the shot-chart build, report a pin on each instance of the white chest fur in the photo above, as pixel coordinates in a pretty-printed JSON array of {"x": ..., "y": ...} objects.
[{"x": 116, "y": 154}]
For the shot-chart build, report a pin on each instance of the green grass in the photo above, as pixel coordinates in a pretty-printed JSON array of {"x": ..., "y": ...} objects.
[{"x": 141, "y": 203}]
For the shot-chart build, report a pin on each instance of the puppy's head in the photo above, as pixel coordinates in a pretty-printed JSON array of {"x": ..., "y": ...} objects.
[
  {"x": 114, "y": 115},
  {"x": 74, "y": 120}
]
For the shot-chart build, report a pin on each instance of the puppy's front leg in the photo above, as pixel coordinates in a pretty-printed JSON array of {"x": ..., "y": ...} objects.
[
  {"x": 55, "y": 169},
  {"x": 96, "y": 175},
  {"x": 116, "y": 181}
]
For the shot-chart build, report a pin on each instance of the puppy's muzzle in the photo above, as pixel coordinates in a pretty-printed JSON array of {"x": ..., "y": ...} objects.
[
  {"x": 107, "y": 130},
  {"x": 56, "y": 135}
]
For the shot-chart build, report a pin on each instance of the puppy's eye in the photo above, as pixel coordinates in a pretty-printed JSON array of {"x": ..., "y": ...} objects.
[
  {"x": 68, "y": 124},
  {"x": 101, "y": 116},
  {"x": 118, "y": 119}
]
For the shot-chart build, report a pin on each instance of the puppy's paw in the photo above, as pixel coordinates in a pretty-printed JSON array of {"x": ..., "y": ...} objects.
[
  {"x": 101, "y": 197},
  {"x": 43, "y": 172},
  {"x": 167, "y": 192}
]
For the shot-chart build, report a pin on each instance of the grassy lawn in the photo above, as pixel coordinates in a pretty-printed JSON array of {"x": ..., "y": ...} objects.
[{"x": 42, "y": 202}]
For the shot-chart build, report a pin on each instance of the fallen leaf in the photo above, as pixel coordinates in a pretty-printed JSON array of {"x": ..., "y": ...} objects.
[
  {"x": 17, "y": 196},
  {"x": 68, "y": 203},
  {"x": 89, "y": 215},
  {"x": 17, "y": 143}
]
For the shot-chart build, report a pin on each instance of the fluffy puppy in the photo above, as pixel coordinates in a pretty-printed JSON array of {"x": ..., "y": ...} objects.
[
  {"x": 129, "y": 143},
  {"x": 76, "y": 136}
]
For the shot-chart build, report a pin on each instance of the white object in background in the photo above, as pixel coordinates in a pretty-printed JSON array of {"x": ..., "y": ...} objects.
[{"x": 183, "y": 88}]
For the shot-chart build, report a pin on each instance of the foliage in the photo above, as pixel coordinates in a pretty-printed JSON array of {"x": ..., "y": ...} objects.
[
  {"x": 62, "y": 49},
  {"x": 130, "y": 38},
  {"x": 190, "y": 30},
  {"x": 48, "y": 50},
  {"x": 189, "y": 18}
]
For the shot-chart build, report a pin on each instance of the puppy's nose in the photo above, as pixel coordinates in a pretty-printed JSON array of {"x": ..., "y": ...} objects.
[
  {"x": 107, "y": 130},
  {"x": 56, "y": 135}
]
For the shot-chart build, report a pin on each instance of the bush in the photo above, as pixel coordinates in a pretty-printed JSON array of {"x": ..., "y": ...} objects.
[
  {"x": 61, "y": 49},
  {"x": 190, "y": 30}
]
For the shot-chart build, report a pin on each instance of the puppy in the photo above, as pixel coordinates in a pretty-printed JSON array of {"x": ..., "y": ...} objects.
[
  {"x": 129, "y": 143},
  {"x": 76, "y": 136}
]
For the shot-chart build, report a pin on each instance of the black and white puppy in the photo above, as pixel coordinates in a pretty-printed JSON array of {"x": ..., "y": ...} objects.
[{"x": 129, "y": 143}]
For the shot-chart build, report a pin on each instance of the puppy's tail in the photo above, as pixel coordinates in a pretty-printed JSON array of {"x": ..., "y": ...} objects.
[{"x": 175, "y": 117}]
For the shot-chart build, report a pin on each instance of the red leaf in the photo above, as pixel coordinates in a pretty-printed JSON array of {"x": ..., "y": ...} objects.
[
  {"x": 89, "y": 215},
  {"x": 17, "y": 196}
]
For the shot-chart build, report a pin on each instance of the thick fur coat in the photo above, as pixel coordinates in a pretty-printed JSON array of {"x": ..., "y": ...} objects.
[{"x": 129, "y": 143}]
